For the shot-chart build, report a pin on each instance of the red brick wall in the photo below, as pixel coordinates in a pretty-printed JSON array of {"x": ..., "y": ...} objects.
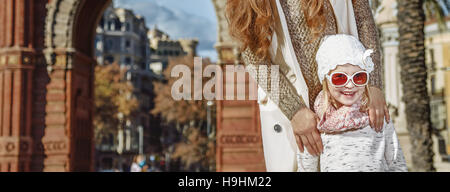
[{"x": 239, "y": 143}]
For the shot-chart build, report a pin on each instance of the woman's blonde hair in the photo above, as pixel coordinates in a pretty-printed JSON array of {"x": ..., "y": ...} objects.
[
  {"x": 251, "y": 22},
  {"x": 329, "y": 101}
]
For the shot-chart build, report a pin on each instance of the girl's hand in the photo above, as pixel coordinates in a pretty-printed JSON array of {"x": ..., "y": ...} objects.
[
  {"x": 378, "y": 109},
  {"x": 304, "y": 124}
]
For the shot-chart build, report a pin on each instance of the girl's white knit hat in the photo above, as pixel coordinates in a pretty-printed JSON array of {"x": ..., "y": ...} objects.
[{"x": 342, "y": 49}]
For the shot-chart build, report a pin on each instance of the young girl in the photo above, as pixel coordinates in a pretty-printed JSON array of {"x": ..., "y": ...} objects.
[{"x": 350, "y": 144}]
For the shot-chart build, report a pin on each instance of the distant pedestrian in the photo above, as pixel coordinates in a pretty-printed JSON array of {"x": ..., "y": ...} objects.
[{"x": 139, "y": 164}]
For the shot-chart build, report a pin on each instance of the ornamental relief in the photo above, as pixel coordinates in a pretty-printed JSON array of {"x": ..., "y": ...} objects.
[{"x": 238, "y": 139}]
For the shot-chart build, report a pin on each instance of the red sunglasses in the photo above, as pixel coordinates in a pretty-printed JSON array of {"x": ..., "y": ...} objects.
[{"x": 340, "y": 79}]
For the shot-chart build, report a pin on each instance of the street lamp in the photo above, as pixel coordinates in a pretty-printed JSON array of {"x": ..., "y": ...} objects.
[
  {"x": 208, "y": 117},
  {"x": 209, "y": 104},
  {"x": 120, "y": 138},
  {"x": 141, "y": 139}
]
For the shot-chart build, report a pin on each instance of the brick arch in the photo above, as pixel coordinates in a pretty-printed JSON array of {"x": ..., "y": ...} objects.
[
  {"x": 60, "y": 14},
  {"x": 46, "y": 90},
  {"x": 70, "y": 32},
  {"x": 69, "y": 40},
  {"x": 70, "y": 27}
]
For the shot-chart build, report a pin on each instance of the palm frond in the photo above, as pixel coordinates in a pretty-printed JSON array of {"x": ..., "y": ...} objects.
[
  {"x": 446, "y": 4},
  {"x": 435, "y": 10}
]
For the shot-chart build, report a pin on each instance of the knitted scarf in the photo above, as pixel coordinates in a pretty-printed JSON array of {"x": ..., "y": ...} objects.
[{"x": 345, "y": 118}]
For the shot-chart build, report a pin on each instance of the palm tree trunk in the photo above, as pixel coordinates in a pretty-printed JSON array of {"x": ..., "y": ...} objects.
[{"x": 411, "y": 20}]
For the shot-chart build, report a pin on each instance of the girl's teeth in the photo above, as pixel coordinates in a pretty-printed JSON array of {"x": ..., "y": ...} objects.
[{"x": 347, "y": 93}]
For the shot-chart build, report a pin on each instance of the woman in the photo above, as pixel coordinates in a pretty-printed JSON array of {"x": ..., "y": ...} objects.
[{"x": 287, "y": 33}]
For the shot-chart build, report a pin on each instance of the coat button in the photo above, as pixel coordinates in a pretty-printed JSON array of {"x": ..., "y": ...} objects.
[{"x": 277, "y": 128}]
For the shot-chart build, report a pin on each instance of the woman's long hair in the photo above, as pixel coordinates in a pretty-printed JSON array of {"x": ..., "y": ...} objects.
[{"x": 251, "y": 22}]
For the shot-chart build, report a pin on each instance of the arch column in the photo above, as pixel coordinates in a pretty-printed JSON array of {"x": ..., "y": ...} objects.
[
  {"x": 68, "y": 140},
  {"x": 239, "y": 142},
  {"x": 19, "y": 52}
]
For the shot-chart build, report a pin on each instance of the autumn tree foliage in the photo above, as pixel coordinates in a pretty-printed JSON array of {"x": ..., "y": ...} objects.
[
  {"x": 189, "y": 116},
  {"x": 196, "y": 150},
  {"x": 184, "y": 111},
  {"x": 113, "y": 96}
]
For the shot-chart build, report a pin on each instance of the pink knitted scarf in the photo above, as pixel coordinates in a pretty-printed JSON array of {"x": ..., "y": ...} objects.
[{"x": 345, "y": 118}]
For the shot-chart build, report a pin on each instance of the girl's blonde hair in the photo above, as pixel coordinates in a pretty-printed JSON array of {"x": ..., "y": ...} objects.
[{"x": 329, "y": 101}]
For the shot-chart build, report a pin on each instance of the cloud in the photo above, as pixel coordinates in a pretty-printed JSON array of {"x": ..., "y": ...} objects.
[{"x": 177, "y": 23}]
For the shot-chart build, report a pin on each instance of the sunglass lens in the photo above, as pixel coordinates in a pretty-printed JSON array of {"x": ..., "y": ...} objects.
[
  {"x": 360, "y": 78},
  {"x": 339, "y": 79}
]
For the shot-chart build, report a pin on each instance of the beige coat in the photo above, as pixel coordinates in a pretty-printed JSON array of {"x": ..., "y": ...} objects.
[{"x": 298, "y": 79}]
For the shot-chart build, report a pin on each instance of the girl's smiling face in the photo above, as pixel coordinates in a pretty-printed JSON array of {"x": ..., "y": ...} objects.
[{"x": 350, "y": 93}]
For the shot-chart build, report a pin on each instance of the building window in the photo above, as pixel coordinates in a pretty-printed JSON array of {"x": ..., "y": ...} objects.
[
  {"x": 127, "y": 44},
  {"x": 127, "y": 60},
  {"x": 117, "y": 25},
  {"x": 111, "y": 139},
  {"x": 102, "y": 23},
  {"x": 110, "y": 26},
  {"x": 127, "y": 27},
  {"x": 433, "y": 85},
  {"x": 433, "y": 61},
  {"x": 109, "y": 44},
  {"x": 109, "y": 59}
]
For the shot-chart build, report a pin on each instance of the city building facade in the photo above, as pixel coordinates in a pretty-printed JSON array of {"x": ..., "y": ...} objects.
[
  {"x": 162, "y": 48},
  {"x": 122, "y": 38},
  {"x": 437, "y": 45}
]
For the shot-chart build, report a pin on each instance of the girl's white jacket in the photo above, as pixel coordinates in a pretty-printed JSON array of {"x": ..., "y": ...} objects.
[{"x": 362, "y": 150}]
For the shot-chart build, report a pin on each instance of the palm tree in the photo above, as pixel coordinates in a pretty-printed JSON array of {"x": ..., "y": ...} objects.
[{"x": 411, "y": 22}]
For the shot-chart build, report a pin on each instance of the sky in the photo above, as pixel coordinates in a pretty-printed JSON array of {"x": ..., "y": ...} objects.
[{"x": 180, "y": 19}]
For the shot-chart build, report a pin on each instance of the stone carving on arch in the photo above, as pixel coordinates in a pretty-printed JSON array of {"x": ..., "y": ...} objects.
[{"x": 59, "y": 30}]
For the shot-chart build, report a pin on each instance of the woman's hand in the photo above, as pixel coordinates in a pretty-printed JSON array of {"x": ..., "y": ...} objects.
[
  {"x": 378, "y": 109},
  {"x": 304, "y": 124}
]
